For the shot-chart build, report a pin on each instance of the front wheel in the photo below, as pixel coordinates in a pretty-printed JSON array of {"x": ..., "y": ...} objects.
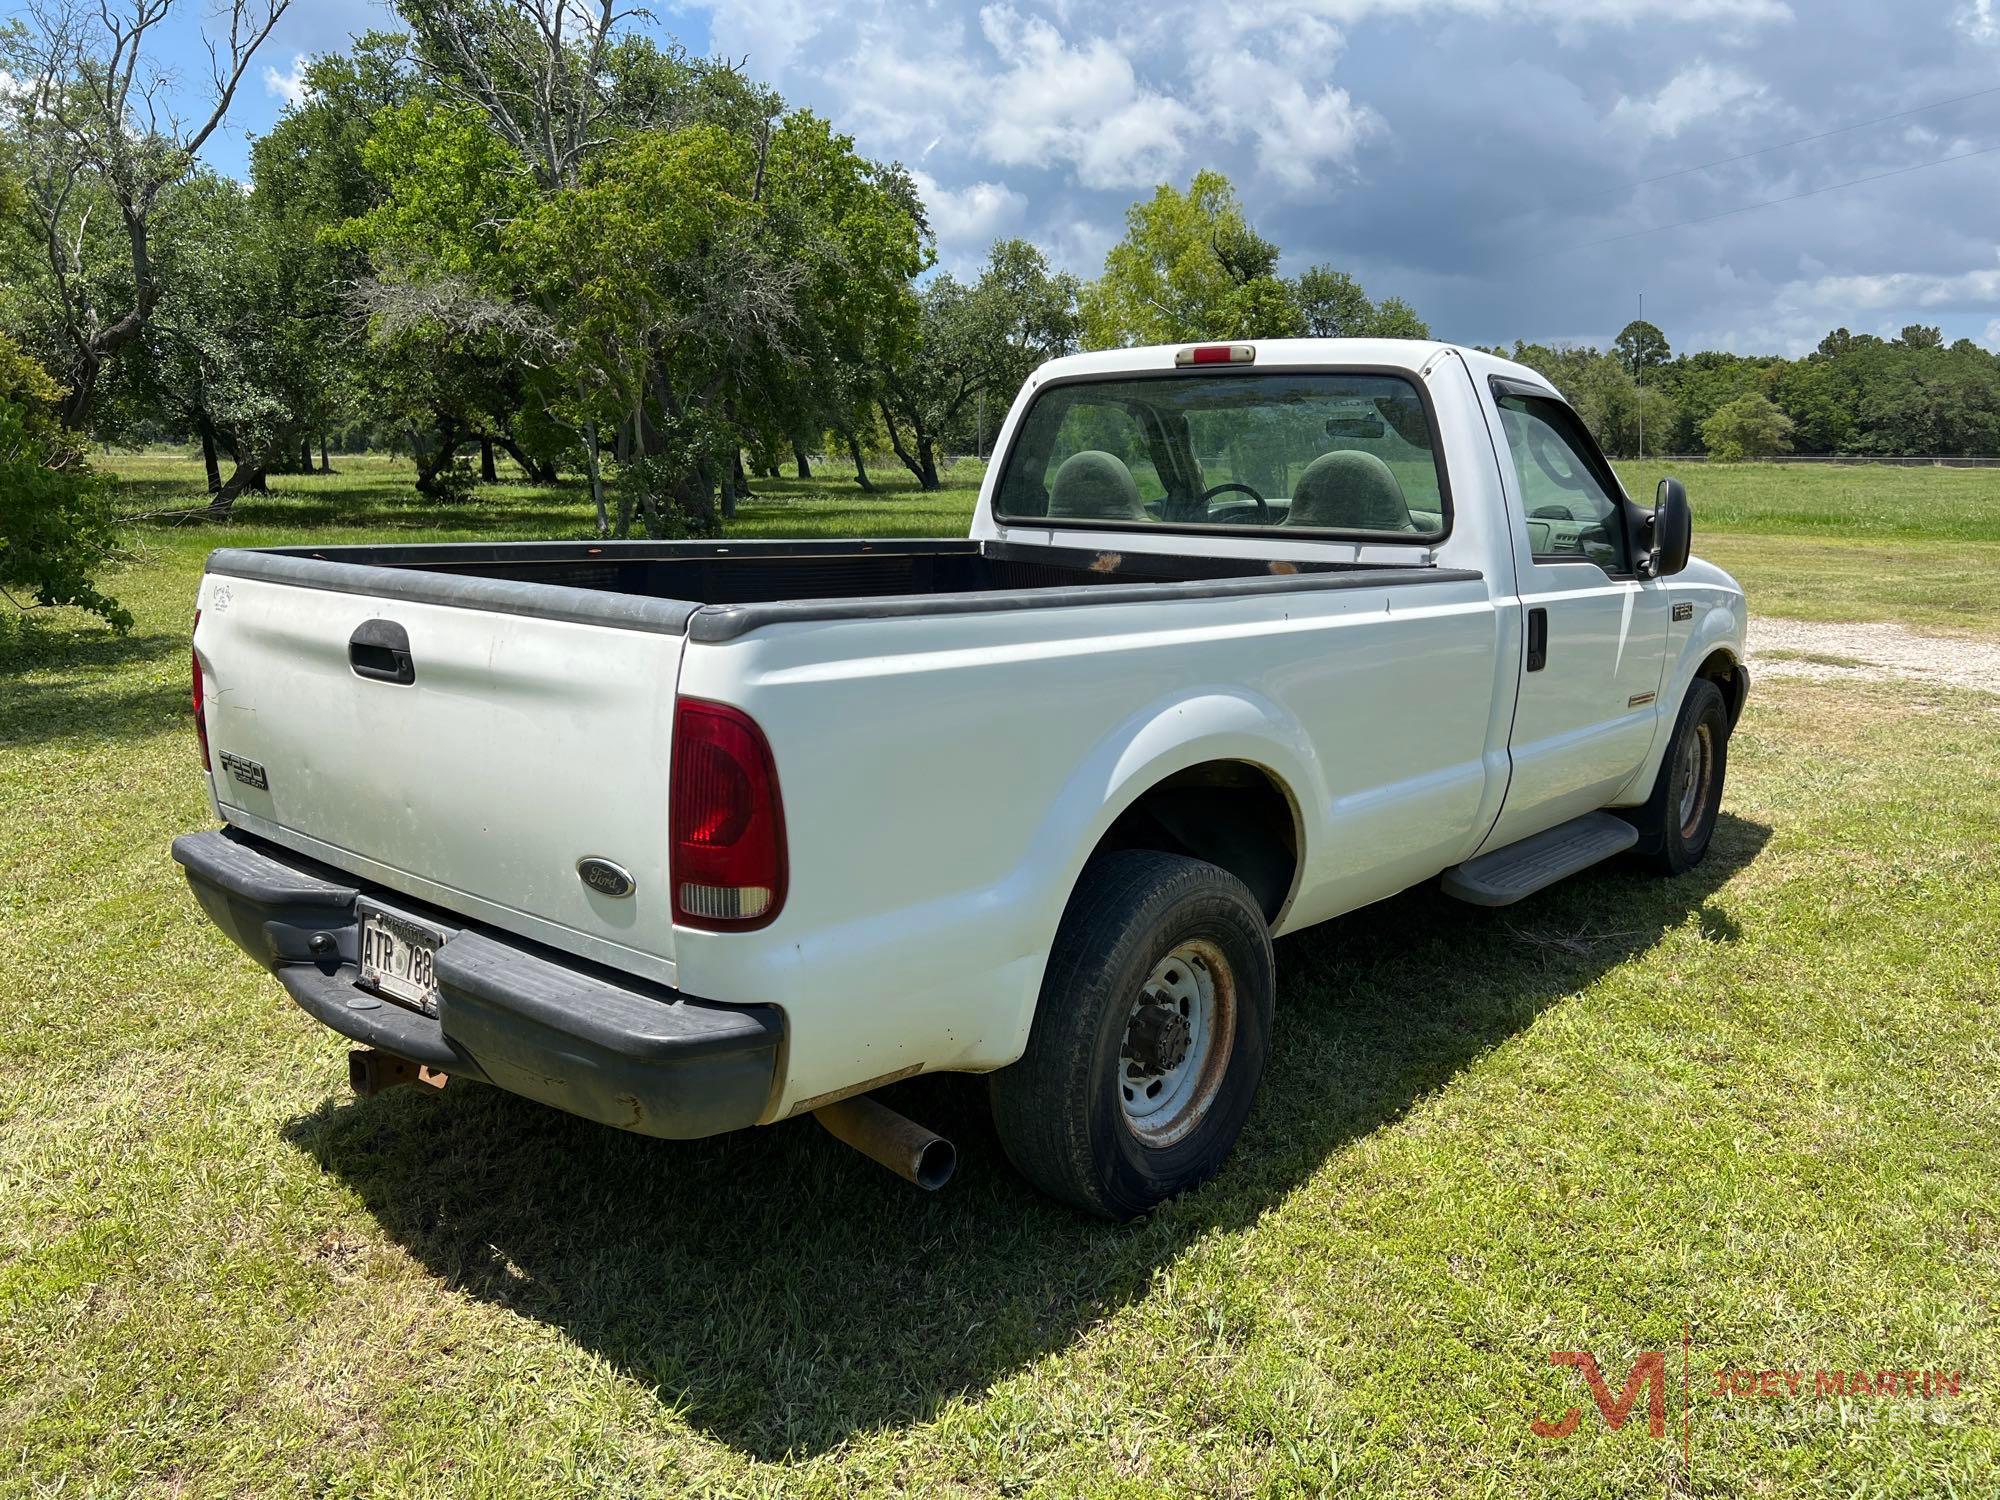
[
  {"x": 1677, "y": 821},
  {"x": 1149, "y": 1039}
]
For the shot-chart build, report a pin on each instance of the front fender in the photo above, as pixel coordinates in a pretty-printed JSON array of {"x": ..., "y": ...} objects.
[{"x": 1719, "y": 625}]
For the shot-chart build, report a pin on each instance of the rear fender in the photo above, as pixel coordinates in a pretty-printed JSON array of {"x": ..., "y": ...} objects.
[{"x": 1213, "y": 724}]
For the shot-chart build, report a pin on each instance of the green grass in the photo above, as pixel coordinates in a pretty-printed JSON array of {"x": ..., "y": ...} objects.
[
  {"x": 1759, "y": 1101},
  {"x": 1832, "y": 500}
]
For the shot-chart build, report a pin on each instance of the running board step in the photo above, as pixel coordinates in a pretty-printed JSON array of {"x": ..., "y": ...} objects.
[{"x": 1506, "y": 875}]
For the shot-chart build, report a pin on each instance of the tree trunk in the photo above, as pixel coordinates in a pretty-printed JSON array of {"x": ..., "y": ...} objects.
[
  {"x": 439, "y": 458},
  {"x": 537, "y": 470},
  {"x": 922, "y": 463},
  {"x": 739, "y": 484},
  {"x": 799, "y": 456},
  {"x": 305, "y": 455},
  {"x": 325, "y": 465},
  {"x": 597, "y": 485},
  {"x": 486, "y": 470},
  {"x": 248, "y": 478},
  {"x": 209, "y": 461},
  {"x": 81, "y": 397},
  {"x": 860, "y": 469}
]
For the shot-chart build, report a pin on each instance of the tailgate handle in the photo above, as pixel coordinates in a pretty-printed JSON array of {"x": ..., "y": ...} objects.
[{"x": 380, "y": 649}]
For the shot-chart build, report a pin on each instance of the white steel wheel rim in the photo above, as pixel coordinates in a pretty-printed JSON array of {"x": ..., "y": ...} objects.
[
  {"x": 1692, "y": 776},
  {"x": 1179, "y": 1033}
]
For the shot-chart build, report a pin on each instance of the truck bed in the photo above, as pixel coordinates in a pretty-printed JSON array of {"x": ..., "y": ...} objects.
[{"x": 719, "y": 590}]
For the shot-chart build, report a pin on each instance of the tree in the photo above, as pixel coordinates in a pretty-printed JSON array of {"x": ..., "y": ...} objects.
[
  {"x": 1917, "y": 336},
  {"x": 657, "y": 235},
  {"x": 970, "y": 342},
  {"x": 1747, "y": 427},
  {"x": 1263, "y": 307},
  {"x": 56, "y": 516},
  {"x": 1396, "y": 319},
  {"x": 1334, "y": 306},
  {"x": 310, "y": 176},
  {"x": 92, "y": 129},
  {"x": 533, "y": 68},
  {"x": 1641, "y": 347},
  {"x": 1189, "y": 267},
  {"x": 211, "y": 360}
]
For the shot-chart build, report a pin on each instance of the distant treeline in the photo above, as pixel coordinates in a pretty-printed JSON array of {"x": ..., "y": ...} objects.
[{"x": 1855, "y": 394}]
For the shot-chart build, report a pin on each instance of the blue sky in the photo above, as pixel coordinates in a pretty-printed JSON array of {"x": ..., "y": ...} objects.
[{"x": 1486, "y": 159}]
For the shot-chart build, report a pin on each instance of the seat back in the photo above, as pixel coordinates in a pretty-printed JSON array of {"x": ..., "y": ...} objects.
[
  {"x": 1093, "y": 485},
  {"x": 1349, "y": 491}
]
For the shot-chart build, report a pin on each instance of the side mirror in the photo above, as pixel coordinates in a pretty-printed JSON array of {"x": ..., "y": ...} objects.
[{"x": 1673, "y": 529}]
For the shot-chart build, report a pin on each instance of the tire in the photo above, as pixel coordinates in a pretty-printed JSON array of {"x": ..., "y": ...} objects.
[
  {"x": 1097, "y": 1112},
  {"x": 1677, "y": 821}
]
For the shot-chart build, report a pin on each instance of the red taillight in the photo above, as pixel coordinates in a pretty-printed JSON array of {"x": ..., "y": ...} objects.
[
  {"x": 200, "y": 723},
  {"x": 727, "y": 863},
  {"x": 1216, "y": 354}
]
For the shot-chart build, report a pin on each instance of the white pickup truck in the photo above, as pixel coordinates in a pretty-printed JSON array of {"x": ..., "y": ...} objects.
[{"x": 689, "y": 837}]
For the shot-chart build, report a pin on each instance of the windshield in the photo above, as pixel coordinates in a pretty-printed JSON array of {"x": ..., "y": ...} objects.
[{"x": 1319, "y": 452}]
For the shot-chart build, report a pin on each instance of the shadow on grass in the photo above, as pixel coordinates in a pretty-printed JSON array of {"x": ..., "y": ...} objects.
[
  {"x": 59, "y": 681},
  {"x": 384, "y": 508},
  {"x": 782, "y": 1294}
]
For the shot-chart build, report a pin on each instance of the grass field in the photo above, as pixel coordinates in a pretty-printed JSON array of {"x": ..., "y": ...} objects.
[{"x": 1759, "y": 1104}]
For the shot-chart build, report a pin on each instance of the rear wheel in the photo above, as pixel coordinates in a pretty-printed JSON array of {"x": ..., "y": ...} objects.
[
  {"x": 1678, "y": 820},
  {"x": 1149, "y": 1039}
]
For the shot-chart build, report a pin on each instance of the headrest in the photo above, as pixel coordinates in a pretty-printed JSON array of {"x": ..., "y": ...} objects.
[
  {"x": 1349, "y": 491},
  {"x": 1096, "y": 486}
]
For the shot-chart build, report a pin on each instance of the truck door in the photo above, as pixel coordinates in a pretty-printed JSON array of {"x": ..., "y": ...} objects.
[{"x": 1594, "y": 633}]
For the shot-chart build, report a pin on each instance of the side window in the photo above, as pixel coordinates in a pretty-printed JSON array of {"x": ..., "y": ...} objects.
[{"x": 1571, "y": 514}]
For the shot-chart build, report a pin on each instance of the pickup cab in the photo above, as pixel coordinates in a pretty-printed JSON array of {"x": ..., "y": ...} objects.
[{"x": 689, "y": 837}]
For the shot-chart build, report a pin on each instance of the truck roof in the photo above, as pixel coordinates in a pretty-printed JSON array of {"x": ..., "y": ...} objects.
[{"x": 1411, "y": 355}]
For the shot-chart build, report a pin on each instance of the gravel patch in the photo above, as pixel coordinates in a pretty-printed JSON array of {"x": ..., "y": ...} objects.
[{"x": 1872, "y": 653}]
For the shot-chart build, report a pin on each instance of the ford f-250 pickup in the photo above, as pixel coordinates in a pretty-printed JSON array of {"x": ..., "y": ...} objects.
[{"x": 690, "y": 837}]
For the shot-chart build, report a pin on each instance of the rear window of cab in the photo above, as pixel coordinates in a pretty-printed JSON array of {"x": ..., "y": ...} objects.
[{"x": 1324, "y": 453}]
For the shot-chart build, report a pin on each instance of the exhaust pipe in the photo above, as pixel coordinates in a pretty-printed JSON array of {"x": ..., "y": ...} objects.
[
  {"x": 369, "y": 1072},
  {"x": 902, "y": 1145}
]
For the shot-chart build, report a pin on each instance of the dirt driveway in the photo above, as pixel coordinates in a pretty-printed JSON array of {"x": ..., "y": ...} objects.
[{"x": 1873, "y": 653}]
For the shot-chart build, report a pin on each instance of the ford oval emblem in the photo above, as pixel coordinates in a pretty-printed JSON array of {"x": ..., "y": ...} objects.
[{"x": 602, "y": 876}]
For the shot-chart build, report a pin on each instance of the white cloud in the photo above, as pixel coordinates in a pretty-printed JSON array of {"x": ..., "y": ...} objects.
[
  {"x": 1082, "y": 106},
  {"x": 1304, "y": 131},
  {"x": 1899, "y": 289},
  {"x": 1301, "y": 134},
  {"x": 290, "y": 87},
  {"x": 1980, "y": 20},
  {"x": 972, "y": 217},
  {"x": 1991, "y": 338},
  {"x": 1699, "y": 90},
  {"x": 1046, "y": 118},
  {"x": 1734, "y": 14}
]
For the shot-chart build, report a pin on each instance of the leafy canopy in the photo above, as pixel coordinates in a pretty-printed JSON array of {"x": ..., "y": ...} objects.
[{"x": 56, "y": 515}]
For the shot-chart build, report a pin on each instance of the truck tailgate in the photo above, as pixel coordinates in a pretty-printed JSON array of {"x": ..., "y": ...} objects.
[{"x": 520, "y": 746}]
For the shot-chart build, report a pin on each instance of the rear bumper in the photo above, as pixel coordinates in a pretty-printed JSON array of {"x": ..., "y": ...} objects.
[{"x": 568, "y": 1033}]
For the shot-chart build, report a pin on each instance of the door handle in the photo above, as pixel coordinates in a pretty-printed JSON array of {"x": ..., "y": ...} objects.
[
  {"x": 380, "y": 650},
  {"x": 1538, "y": 639}
]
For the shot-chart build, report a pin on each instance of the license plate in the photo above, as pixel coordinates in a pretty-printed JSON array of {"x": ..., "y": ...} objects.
[{"x": 396, "y": 957}]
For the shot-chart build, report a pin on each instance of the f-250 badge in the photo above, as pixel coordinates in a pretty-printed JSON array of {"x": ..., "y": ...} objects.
[{"x": 246, "y": 771}]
